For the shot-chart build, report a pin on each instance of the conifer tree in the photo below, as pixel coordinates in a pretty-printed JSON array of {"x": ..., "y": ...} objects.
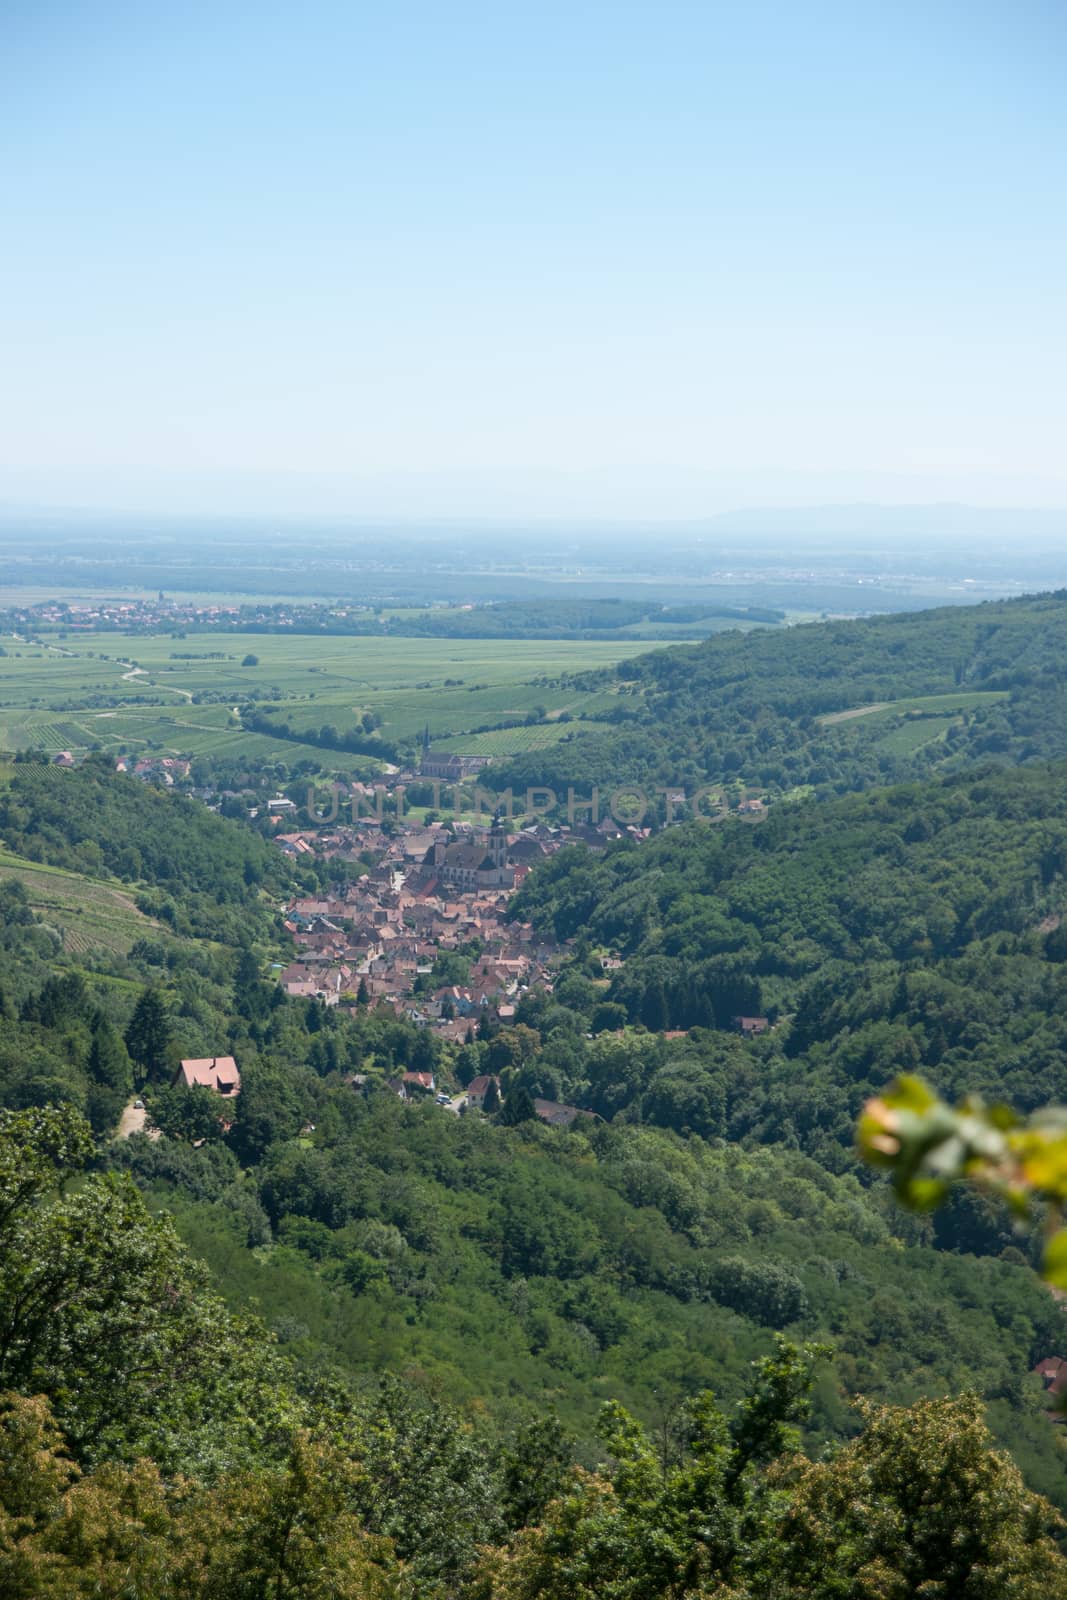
[{"x": 148, "y": 1037}]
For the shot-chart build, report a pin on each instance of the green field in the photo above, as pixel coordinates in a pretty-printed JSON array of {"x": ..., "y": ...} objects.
[
  {"x": 513, "y": 741},
  {"x": 913, "y": 733},
  {"x": 116, "y": 693},
  {"x": 930, "y": 704},
  {"x": 91, "y": 915},
  {"x": 912, "y": 723}
]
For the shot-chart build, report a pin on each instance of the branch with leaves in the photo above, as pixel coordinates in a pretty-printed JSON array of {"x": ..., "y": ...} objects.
[{"x": 927, "y": 1146}]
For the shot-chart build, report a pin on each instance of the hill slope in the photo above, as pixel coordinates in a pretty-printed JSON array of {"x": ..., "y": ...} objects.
[
  {"x": 765, "y": 708},
  {"x": 917, "y": 926}
]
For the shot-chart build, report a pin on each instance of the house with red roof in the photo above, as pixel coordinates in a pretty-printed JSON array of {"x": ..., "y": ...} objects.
[{"x": 211, "y": 1072}]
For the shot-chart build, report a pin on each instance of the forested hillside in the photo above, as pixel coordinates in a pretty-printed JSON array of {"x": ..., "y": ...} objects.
[
  {"x": 938, "y": 688},
  {"x": 911, "y": 927},
  {"x": 152, "y": 1444},
  {"x": 410, "y": 1323},
  {"x": 200, "y": 874}
]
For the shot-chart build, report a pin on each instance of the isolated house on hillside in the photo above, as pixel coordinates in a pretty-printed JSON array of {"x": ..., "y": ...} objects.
[
  {"x": 211, "y": 1072},
  {"x": 478, "y": 1088},
  {"x": 420, "y": 1082}
]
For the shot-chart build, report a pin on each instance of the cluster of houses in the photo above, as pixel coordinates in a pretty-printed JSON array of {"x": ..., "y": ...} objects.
[
  {"x": 91, "y": 616},
  {"x": 429, "y": 891},
  {"x": 166, "y": 770}
]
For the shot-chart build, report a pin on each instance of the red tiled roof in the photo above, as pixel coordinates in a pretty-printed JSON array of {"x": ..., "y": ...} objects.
[{"x": 211, "y": 1072}]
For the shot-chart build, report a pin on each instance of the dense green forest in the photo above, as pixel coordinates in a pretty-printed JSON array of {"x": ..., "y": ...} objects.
[
  {"x": 910, "y": 927},
  {"x": 547, "y": 617},
  {"x": 748, "y": 706},
  {"x": 414, "y": 1333},
  {"x": 153, "y": 1444},
  {"x": 521, "y": 1265}
]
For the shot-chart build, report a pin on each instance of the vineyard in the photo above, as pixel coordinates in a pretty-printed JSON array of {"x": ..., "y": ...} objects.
[
  {"x": 89, "y": 915},
  {"x": 139, "y": 695},
  {"x": 513, "y": 741}
]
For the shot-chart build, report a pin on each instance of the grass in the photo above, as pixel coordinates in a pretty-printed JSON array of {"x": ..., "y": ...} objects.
[
  {"x": 930, "y": 704},
  {"x": 513, "y": 741},
  {"x": 90, "y": 914},
  {"x": 114, "y": 692},
  {"x": 913, "y": 734}
]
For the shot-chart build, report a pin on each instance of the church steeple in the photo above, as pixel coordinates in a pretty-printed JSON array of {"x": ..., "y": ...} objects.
[{"x": 498, "y": 842}]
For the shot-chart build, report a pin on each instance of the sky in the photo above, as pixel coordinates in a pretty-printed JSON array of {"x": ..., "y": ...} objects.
[{"x": 527, "y": 258}]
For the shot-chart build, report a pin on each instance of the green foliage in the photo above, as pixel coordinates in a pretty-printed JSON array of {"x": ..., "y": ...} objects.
[
  {"x": 192, "y": 1114},
  {"x": 918, "y": 1504},
  {"x": 518, "y": 1107},
  {"x": 944, "y": 687},
  {"x": 290, "y": 1532},
  {"x": 661, "y": 1525},
  {"x": 928, "y": 1146},
  {"x": 102, "y": 1311},
  {"x": 560, "y": 1267},
  {"x": 206, "y": 872},
  {"x": 763, "y": 1290},
  {"x": 148, "y": 1037},
  {"x": 897, "y": 930}
]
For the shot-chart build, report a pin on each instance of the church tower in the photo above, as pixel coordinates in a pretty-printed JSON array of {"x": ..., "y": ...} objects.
[{"x": 498, "y": 843}]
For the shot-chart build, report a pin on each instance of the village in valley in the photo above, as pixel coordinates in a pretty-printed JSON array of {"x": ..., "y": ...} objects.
[
  {"x": 407, "y": 910},
  {"x": 425, "y": 932}
]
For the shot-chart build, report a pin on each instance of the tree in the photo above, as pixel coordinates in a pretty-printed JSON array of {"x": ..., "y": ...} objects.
[
  {"x": 513, "y": 1047},
  {"x": 273, "y": 1105},
  {"x": 535, "y": 1468},
  {"x": 103, "y": 1312},
  {"x": 110, "y": 1073},
  {"x": 429, "y": 1483},
  {"x": 250, "y": 661},
  {"x": 918, "y": 1504},
  {"x": 649, "y": 1528},
  {"x": 289, "y": 1533},
  {"x": 185, "y": 1112},
  {"x": 148, "y": 1037},
  {"x": 251, "y": 995},
  {"x": 294, "y": 1535},
  {"x": 766, "y": 1291},
  {"x": 518, "y": 1107}
]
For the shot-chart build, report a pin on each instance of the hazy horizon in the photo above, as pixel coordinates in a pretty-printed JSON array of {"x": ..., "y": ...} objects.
[{"x": 623, "y": 497}]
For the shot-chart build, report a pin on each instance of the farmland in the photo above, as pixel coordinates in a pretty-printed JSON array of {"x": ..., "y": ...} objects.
[
  {"x": 90, "y": 915},
  {"x": 179, "y": 696},
  {"x": 900, "y": 728},
  {"x": 512, "y": 741},
  {"x": 920, "y": 705}
]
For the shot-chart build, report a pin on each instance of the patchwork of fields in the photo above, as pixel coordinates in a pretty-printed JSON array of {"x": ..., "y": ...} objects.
[{"x": 178, "y": 696}]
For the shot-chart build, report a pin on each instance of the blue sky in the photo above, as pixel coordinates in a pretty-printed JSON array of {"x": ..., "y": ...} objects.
[{"x": 582, "y": 259}]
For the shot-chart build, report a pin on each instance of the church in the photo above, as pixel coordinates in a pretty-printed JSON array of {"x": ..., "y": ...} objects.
[{"x": 475, "y": 862}]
